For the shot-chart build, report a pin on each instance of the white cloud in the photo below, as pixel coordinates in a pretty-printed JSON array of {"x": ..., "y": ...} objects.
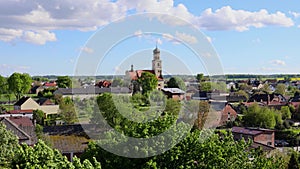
[
  {"x": 38, "y": 37},
  {"x": 6, "y": 69},
  {"x": 8, "y": 35},
  {"x": 138, "y": 33},
  {"x": 295, "y": 14},
  {"x": 35, "y": 21},
  {"x": 186, "y": 38},
  {"x": 278, "y": 62},
  {"x": 87, "y": 49},
  {"x": 227, "y": 18}
]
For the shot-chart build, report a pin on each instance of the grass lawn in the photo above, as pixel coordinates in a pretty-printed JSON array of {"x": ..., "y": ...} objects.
[
  {"x": 8, "y": 107},
  {"x": 13, "y": 97}
]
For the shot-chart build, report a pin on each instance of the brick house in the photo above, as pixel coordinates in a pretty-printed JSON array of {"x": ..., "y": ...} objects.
[
  {"x": 228, "y": 114},
  {"x": 257, "y": 135}
]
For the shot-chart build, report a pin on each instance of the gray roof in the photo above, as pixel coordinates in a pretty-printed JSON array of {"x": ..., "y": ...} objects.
[
  {"x": 173, "y": 90},
  {"x": 92, "y": 90}
]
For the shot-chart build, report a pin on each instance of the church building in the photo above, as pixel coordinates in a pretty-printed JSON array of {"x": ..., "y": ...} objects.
[{"x": 156, "y": 70}]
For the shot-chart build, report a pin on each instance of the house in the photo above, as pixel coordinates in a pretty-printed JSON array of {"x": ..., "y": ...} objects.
[
  {"x": 257, "y": 135},
  {"x": 84, "y": 93},
  {"x": 295, "y": 101},
  {"x": 51, "y": 84},
  {"x": 191, "y": 90},
  {"x": 199, "y": 95},
  {"x": 71, "y": 140},
  {"x": 174, "y": 93},
  {"x": 235, "y": 98},
  {"x": 22, "y": 127},
  {"x": 104, "y": 83},
  {"x": 36, "y": 89},
  {"x": 134, "y": 75},
  {"x": 273, "y": 100},
  {"x": 228, "y": 114},
  {"x": 27, "y": 103}
]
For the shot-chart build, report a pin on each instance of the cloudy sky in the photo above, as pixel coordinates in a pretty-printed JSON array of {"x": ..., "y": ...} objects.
[{"x": 42, "y": 37}]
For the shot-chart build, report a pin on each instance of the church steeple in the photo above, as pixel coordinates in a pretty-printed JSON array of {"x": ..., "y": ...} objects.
[{"x": 156, "y": 62}]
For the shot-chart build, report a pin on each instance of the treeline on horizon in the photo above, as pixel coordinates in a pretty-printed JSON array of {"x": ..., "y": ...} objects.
[{"x": 227, "y": 76}]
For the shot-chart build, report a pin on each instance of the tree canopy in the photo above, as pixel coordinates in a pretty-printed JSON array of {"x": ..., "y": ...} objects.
[
  {"x": 9, "y": 144},
  {"x": 256, "y": 116},
  {"x": 19, "y": 84},
  {"x": 67, "y": 111},
  {"x": 280, "y": 89},
  {"x": 42, "y": 156},
  {"x": 148, "y": 82},
  {"x": 64, "y": 82},
  {"x": 176, "y": 82}
]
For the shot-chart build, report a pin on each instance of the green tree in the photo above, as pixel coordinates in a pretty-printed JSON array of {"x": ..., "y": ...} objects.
[
  {"x": 245, "y": 87},
  {"x": 242, "y": 93},
  {"x": 205, "y": 86},
  {"x": 256, "y": 116},
  {"x": 280, "y": 89},
  {"x": 42, "y": 156},
  {"x": 64, "y": 82},
  {"x": 148, "y": 81},
  {"x": 293, "y": 163},
  {"x": 9, "y": 144},
  {"x": 3, "y": 86},
  {"x": 200, "y": 77},
  {"x": 19, "y": 84},
  {"x": 39, "y": 116},
  {"x": 221, "y": 86},
  {"x": 117, "y": 82},
  {"x": 67, "y": 111},
  {"x": 199, "y": 149},
  {"x": 285, "y": 112},
  {"x": 202, "y": 114},
  {"x": 176, "y": 82}
]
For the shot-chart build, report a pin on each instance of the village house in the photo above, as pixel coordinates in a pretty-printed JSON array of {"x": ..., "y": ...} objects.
[
  {"x": 71, "y": 140},
  {"x": 273, "y": 100},
  {"x": 265, "y": 137},
  {"x": 27, "y": 103},
  {"x": 228, "y": 114},
  {"x": 174, "y": 93},
  {"x": 22, "y": 127}
]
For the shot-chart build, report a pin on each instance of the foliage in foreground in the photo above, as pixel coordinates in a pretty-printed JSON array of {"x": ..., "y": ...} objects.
[
  {"x": 42, "y": 156},
  {"x": 200, "y": 149}
]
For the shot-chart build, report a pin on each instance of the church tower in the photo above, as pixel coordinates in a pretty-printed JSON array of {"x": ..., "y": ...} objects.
[{"x": 156, "y": 63}]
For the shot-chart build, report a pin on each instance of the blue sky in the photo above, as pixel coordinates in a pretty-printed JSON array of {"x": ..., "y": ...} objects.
[{"x": 49, "y": 37}]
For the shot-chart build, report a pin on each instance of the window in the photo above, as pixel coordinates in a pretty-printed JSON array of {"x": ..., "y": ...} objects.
[{"x": 269, "y": 143}]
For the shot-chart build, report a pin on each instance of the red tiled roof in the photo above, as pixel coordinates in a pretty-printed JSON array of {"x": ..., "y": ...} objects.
[
  {"x": 48, "y": 84},
  {"x": 138, "y": 73},
  {"x": 21, "y": 121},
  {"x": 20, "y": 112}
]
